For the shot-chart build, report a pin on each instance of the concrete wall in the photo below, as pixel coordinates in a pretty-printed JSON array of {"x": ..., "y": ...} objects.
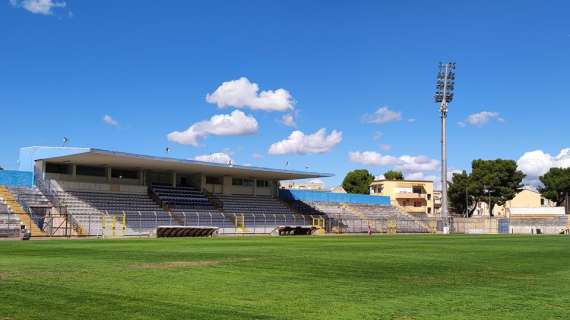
[{"x": 99, "y": 187}]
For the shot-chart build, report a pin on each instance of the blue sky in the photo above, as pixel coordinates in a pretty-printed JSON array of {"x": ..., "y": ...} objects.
[{"x": 363, "y": 70}]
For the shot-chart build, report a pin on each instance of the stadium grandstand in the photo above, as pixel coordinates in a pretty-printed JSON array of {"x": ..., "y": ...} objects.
[
  {"x": 92, "y": 192},
  {"x": 64, "y": 191}
]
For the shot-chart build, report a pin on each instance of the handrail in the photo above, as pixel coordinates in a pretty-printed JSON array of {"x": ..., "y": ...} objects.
[
  {"x": 47, "y": 188},
  {"x": 214, "y": 200},
  {"x": 156, "y": 198}
]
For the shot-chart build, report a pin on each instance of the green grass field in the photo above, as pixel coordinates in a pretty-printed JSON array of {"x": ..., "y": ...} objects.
[{"x": 358, "y": 277}]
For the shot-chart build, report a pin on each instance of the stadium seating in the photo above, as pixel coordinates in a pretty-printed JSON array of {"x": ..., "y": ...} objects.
[
  {"x": 34, "y": 202},
  {"x": 30, "y": 197},
  {"x": 104, "y": 212},
  {"x": 10, "y": 200},
  {"x": 190, "y": 207},
  {"x": 186, "y": 198},
  {"x": 253, "y": 204},
  {"x": 9, "y": 223},
  {"x": 351, "y": 217}
]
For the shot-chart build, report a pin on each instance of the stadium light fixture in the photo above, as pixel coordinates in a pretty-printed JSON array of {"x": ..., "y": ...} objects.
[{"x": 444, "y": 95}]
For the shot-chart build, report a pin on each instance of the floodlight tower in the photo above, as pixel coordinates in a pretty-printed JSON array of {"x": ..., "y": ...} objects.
[{"x": 443, "y": 96}]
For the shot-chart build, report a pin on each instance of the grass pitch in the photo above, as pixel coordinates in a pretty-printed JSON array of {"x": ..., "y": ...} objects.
[{"x": 358, "y": 277}]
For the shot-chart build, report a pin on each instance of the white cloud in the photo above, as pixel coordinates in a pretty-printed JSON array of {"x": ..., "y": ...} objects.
[
  {"x": 417, "y": 164},
  {"x": 235, "y": 124},
  {"x": 420, "y": 176},
  {"x": 382, "y": 115},
  {"x": 536, "y": 163},
  {"x": 110, "y": 121},
  {"x": 372, "y": 158},
  {"x": 480, "y": 119},
  {"x": 385, "y": 147},
  {"x": 44, "y": 7},
  {"x": 299, "y": 143},
  {"x": 289, "y": 120},
  {"x": 411, "y": 120},
  {"x": 242, "y": 93},
  {"x": 405, "y": 163},
  {"x": 218, "y": 157}
]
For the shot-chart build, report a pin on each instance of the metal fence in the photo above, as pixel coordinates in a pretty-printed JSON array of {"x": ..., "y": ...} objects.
[
  {"x": 484, "y": 225},
  {"x": 58, "y": 223},
  {"x": 9, "y": 226},
  {"x": 135, "y": 223}
]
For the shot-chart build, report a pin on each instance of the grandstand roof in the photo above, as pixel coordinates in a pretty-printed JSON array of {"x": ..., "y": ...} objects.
[{"x": 98, "y": 157}]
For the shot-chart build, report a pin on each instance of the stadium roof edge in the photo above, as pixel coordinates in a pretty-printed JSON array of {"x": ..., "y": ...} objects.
[{"x": 118, "y": 158}]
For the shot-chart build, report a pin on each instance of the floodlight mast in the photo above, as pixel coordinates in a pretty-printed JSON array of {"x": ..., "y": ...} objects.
[{"x": 443, "y": 96}]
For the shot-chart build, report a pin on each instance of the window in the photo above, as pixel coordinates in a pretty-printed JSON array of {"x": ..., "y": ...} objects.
[
  {"x": 242, "y": 182},
  {"x": 429, "y": 196},
  {"x": 429, "y": 210},
  {"x": 214, "y": 180},
  {"x": 91, "y": 171},
  {"x": 58, "y": 168},
  {"x": 262, "y": 183},
  {"x": 542, "y": 202},
  {"x": 124, "y": 174},
  {"x": 417, "y": 190}
]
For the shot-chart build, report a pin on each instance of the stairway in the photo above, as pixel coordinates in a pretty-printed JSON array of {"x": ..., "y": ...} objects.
[
  {"x": 355, "y": 211},
  {"x": 17, "y": 209}
]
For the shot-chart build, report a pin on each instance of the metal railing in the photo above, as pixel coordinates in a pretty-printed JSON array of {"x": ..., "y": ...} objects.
[{"x": 144, "y": 223}]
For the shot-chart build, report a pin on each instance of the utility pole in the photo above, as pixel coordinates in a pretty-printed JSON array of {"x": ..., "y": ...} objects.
[
  {"x": 466, "y": 202},
  {"x": 444, "y": 95}
]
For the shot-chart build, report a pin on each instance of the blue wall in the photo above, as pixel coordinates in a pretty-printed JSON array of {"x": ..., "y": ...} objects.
[
  {"x": 16, "y": 178},
  {"x": 304, "y": 195}
]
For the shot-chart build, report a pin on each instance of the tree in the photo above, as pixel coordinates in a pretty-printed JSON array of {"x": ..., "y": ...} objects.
[
  {"x": 461, "y": 194},
  {"x": 495, "y": 181},
  {"x": 393, "y": 175},
  {"x": 358, "y": 181},
  {"x": 556, "y": 185}
]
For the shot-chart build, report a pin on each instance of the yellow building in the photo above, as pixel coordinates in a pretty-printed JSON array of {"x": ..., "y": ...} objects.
[
  {"x": 411, "y": 196},
  {"x": 526, "y": 199}
]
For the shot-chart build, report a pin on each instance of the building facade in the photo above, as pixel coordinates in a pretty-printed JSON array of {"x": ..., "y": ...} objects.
[
  {"x": 411, "y": 196},
  {"x": 526, "y": 199}
]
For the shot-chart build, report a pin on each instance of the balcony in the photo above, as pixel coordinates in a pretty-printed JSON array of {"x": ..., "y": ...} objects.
[{"x": 409, "y": 195}]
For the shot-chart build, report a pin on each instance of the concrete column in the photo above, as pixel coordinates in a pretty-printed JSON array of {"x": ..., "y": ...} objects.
[
  {"x": 227, "y": 185},
  {"x": 108, "y": 172},
  {"x": 174, "y": 179},
  {"x": 74, "y": 170},
  {"x": 254, "y": 187},
  {"x": 43, "y": 172}
]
